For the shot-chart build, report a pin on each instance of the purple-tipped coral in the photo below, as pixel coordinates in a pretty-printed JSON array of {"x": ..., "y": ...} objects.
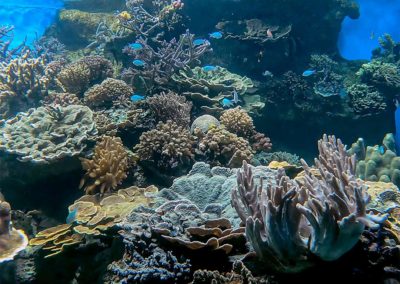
[{"x": 287, "y": 222}]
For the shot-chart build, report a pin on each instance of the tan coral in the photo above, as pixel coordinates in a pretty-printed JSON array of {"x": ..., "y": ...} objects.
[
  {"x": 12, "y": 241},
  {"x": 106, "y": 92},
  {"x": 62, "y": 99},
  {"x": 107, "y": 169},
  {"x": 238, "y": 121},
  {"x": 94, "y": 216}
]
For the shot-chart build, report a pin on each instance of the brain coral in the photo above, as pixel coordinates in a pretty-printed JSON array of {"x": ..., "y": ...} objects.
[
  {"x": 78, "y": 76},
  {"x": 106, "y": 92},
  {"x": 47, "y": 134},
  {"x": 107, "y": 169},
  {"x": 167, "y": 145}
]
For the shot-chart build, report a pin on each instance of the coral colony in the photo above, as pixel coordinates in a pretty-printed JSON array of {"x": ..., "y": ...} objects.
[{"x": 171, "y": 141}]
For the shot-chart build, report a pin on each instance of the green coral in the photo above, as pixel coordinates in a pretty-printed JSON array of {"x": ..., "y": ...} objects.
[
  {"x": 366, "y": 100},
  {"x": 374, "y": 164},
  {"x": 380, "y": 74}
]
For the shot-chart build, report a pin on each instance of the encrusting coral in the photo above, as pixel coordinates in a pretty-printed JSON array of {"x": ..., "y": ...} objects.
[
  {"x": 168, "y": 145},
  {"x": 105, "y": 93},
  {"x": 170, "y": 106},
  {"x": 287, "y": 223},
  {"x": 12, "y": 241},
  {"x": 94, "y": 215},
  {"x": 107, "y": 168},
  {"x": 47, "y": 134},
  {"x": 78, "y": 76}
]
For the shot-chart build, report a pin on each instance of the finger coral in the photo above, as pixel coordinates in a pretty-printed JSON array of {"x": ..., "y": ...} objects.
[
  {"x": 287, "y": 223},
  {"x": 105, "y": 93},
  {"x": 170, "y": 106},
  {"x": 107, "y": 168},
  {"x": 167, "y": 145},
  {"x": 78, "y": 76},
  {"x": 47, "y": 134},
  {"x": 12, "y": 241}
]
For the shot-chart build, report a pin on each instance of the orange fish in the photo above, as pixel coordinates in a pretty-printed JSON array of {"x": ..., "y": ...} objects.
[{"x": 269, "y": 33}]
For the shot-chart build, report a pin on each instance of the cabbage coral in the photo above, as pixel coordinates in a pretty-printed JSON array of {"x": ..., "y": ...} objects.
[{"x": 287, "y": 223}]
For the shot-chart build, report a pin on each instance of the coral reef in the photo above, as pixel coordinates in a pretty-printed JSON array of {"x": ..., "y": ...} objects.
[
  {"x": 12, "y": 241},
  {"x": 365, "y": 100},
  {"x": 334, "y": 206},
  {"x": 373, "y": 165},
  {"x": 47, "y": 134},
  {"x": 221, "y": 147},
  {"x": 95, "y": 215},
  {"x": 6, "y": 38},
  {"x": 107, "y": 168},
  {"x": 78, "y": 76},
  {"x": 380, "y": 74},
  {"x": 266, "y": 158},
  {"x": 204, "y": 123},
  {"x": 167, "y": 146},
  {"x": 61, "y": 99},
  {"x": 170, "y": 106},
  {"x": 105, "y": 93}
]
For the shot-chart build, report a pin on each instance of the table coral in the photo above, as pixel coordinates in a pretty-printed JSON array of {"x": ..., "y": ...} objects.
[
  {"x": 168, "y": 145},
  {"x": 12, "y": 241},
  {"x": 95, "y": 216},
  {"x": 47, "y": 134},
  {"x": 78, "y": 76},
  {"x": 170, "y": 106},
  {"x": 105, "y": 93},
  {"x": 107, "y": 168}
]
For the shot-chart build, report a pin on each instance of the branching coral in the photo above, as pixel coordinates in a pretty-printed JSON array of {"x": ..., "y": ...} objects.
[
  {"x": 168, "y": 145},
  {"x": 77, "y": 77},
  {"x": 162, "y": 61},
  {"x": 222, "y": 147},
  {"x": 105, "y": 93},
  {"x": 47, "y": 134},
  {"x": 286, "y": 222},
  {"x": 12, "y": 241},
  {"x": 6, "y": 38},
  {"x": 170, "y": 106},
  {"x": 23, "y": 82},
  {"x": 239, "y": 122},
  {"x": 365, "y": 100},
  {"x": 380, "y": 74},
  {"x": 108, "y": 167}
]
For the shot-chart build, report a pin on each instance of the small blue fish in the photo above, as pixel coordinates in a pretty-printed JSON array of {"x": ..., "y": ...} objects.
[
  {"x": 209, "y": 68},
  {"x": 216, "y": 35},
  {"x": 226, "y": 103},
  {"x": 200, "y": 41},
  {"x": 138, "y": 62},
  {"x": 381, "y": 150},
  {"x": 136, "y": 46},
  {"x": 308, "y": 73},
  {"x": 72, "y": 216},
  {"x": 137, "y": 98}
]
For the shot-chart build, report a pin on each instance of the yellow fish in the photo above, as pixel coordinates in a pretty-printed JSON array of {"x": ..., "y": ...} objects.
[{"x": 125, "y": 15}]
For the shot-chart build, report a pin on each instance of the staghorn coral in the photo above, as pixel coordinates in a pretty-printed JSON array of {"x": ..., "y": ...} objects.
[
  {"x": 286, "y": 222},
  {"x": 170, "y": 106},
  {"x": 78, "y": 76},
  {"x": 47, "y": 134},
  {"x": 23, "y": 82},
  {"x": 107, "y": 168},
  {"x": 373, "y": 165},
  {"x": 95, "y": 215},
  {"x": 221, "y": 147},
  {"x": 12, "y": 241},
  {"x": 162, "y": 61},
  {"x": 365, "y": 100},
  {"x": 6, "y": 38},
  {"x": 105, "y": 93},
  {"x": 167, "y": 146}
]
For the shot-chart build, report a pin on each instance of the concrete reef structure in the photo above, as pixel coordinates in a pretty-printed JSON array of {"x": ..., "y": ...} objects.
[
  {"x": 107, "y": 168},
  {"x": 333, "y": 204},
  {"x": 48, "y": 134}
]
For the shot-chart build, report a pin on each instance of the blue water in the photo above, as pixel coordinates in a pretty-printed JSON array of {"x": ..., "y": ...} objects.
[
  {"x": 29, "y": 17},
  {"x": 377, "y": 17}
]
